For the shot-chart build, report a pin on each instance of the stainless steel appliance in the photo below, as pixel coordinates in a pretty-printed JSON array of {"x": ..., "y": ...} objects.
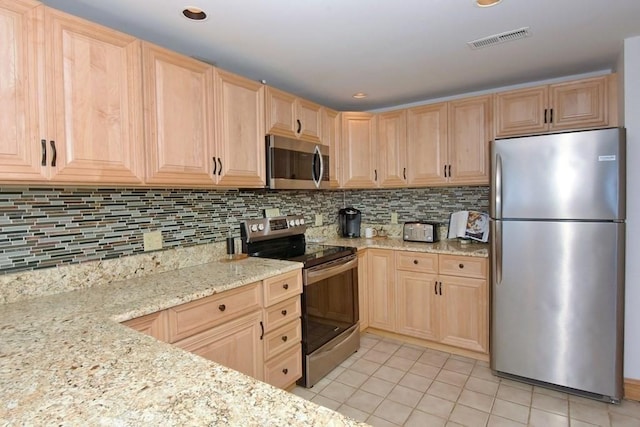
[
  {"x": 558, "y": 212},
  {"x": 420, "y": 231},
  {"x": 349, "y": 221},
  {"x": 330, "y": 324},
  {"x": 296, "y": 165}
]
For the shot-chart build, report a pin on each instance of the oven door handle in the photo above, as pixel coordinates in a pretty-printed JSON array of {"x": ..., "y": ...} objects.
[{"x": 317, "y": 274}]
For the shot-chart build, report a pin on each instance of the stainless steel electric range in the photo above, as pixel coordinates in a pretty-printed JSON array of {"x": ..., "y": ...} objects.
[{"x": 330, "y": 324}]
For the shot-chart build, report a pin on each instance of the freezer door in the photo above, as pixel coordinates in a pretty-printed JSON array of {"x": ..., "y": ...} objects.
[
  {"x": 557, "y": 303},
  {"x": 574, "y": 175}
]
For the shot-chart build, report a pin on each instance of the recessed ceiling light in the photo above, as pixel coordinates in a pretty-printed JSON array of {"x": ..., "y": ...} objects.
[
  {"x": 359, "y": 95},
  {"x": 194, "y": 13},
  {"x": 487, "y": 3}
]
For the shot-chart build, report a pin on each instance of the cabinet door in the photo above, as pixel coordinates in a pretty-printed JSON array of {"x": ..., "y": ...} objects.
[
  {"x": 427, "y": 136},
  {"x": 94, "y": 114},
  {"x": 179, "y": 118},
  {"x": 521, "y": 112},
  {"x": 359, "y": 150},
  {"x": 392, "y": 149},
  {"x": 309, "y": 121},
  {"x": 235, "y": 344},
  {"x": 464, "y": 313},
  {"x": 416, "y": 305},
  {"x": 363, "y": 286},
  {"x": 20, "y": 149},
  {"x": 331, "y": 122},
  {"x": 281, "y": 112},
  {"x": 381, "y": 288},
  {"x": 240, "y": 142},
  {"x": 579, "y": 104},
  {"x": 470, "y": 132}
]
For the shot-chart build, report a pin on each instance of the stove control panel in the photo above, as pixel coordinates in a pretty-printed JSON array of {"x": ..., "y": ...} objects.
[{"x": 253, "y": 230}]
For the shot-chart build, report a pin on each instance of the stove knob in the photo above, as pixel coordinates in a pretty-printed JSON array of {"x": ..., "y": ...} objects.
[
  {"x": 291, "y": 223},
  {"x": 301, "y": 221},
  {"x": 297, "y": 222},
  {"x": 261, "y": 227},
  {"x": 254, "y": 227}
]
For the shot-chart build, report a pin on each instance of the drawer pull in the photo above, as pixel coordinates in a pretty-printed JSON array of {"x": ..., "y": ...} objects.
[
  {"x": 285, "y": 286},
  {"x": 222, "y": 307},
  {"x": 284, "y": 312},
  {"x": 461, "y": 265},
  {"x": 284, "y": 338},
  {"x": 285, "y": 371},
  {"x": 415, "y": 261}
]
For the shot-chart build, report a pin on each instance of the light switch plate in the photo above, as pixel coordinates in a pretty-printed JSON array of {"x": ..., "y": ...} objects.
[
  {"x": 394, "y": 217},
  {"x": 271, "y": 212},
  {"x": 318, "y": 219},
  {"x": 152, "y": 240}
]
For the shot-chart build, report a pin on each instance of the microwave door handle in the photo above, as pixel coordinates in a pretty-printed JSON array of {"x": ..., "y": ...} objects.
[
  {"x": 317, "y": 166},
  {"x": 314, "y": 276}
]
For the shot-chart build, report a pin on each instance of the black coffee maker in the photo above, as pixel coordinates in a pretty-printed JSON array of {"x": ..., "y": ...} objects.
[{"x": 349, "y": 221}]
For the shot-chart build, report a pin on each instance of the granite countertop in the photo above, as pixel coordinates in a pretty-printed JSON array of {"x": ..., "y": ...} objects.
[
  {"x": 66, "y": 360},
  {"x": 447, "y": 246}
]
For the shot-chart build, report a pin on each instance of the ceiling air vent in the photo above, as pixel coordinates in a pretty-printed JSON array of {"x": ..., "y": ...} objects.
[{"x": 500, "y": 38}]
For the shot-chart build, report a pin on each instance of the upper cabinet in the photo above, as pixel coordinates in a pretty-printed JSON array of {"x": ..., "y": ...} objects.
[
  {"x": 179, "y": 137},
  {"x": 78, "y": 117},
  {"x": 240, "y": 134},
  {"x": 576, "y": 104},
  {"x": 331, "y": 135},
  {"x": 288, "y": 115},
  {"x": 359, "y": 164},
  {"x": 392, "y": 149},
  {"x": 427, "y": 139}
]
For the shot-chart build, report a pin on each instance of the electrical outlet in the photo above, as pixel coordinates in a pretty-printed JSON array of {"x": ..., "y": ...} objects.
[
  {"x": 152, "y": 240},
  {"x": 318, "y": 219},
  {"x": 394, "y": 217}
]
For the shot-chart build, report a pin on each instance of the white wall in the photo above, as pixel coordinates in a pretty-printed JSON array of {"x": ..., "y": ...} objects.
[{"x": 631, "y": 75}]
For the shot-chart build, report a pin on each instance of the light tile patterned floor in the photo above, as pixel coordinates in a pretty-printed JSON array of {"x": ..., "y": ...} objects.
[{"x": 388, "y": 383}]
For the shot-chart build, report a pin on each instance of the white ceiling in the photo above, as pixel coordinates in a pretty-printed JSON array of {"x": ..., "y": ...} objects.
[{"x": 397, "y": 51}]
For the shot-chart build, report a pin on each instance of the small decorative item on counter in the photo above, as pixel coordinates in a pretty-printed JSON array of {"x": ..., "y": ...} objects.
[
  {"x": 231, "y": 245},
  {"x": 470, "y": 225}
]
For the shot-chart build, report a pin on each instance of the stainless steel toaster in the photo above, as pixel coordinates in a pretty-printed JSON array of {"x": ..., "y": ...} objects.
[{"x": 420, "y": 231}]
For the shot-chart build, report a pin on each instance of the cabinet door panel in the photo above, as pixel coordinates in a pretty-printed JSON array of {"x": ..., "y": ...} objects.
[
  {"x": 20, "y": 150},
  {"x": 310, "y": 116},
  {"x": 470, "y": 131},
  {"x": 381, "y": 288},
  {"x": 521, "y": 112},
  {"x": 427, "y": 136},
  {"x": 331, "y": 122},
  {"x": 240, "y": 142},
  {"x": 464, "y": 313},
  {"x": 96, "y": 100},
  {"x": 179, "y": 119},
  {"x": 579, "y": 104},
  {"x": 392, "y": 149},
  {"x": 363, "y": 288},
  {"x": 359, "y": 150},
  {"x": 417, "y": 305},
  {"x": 281, "y": 113}
]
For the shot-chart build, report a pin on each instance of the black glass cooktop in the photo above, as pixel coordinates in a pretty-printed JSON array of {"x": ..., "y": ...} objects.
[{"x": 295, "y": 248}]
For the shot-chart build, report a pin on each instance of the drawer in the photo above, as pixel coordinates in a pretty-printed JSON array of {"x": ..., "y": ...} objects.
[
  {"x": 196, "y": 316},
  {"x": 275, "y": 342},
  {"x": 285, "y": 369},
  {"x": 417, "y": 261},
  {"x": 455, "y": 265},
  {"x": 281, "y": 313},
  {"x": 282, "y": 287}
]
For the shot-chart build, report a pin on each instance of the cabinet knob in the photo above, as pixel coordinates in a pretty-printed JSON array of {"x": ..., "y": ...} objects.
[
  {"x": 284, "y": 338},
  {"x": 461, "y": 265},
  {"x": 284, "y": 312},
  {"x": 222, "y": 307},
  {"x": 285, "y": 371},
  {"x": 285, "y": 286},
  {"x": 415, "y": 261}
]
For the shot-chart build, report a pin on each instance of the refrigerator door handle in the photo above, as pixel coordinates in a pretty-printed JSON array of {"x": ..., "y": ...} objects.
[
  {"x": 497, "y": 203},
  {"x": 497, "y": 252}
]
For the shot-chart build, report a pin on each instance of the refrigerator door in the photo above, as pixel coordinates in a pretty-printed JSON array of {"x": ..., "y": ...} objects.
[
  {"x": 574, "y": 175},
  {"x": 557, "y": 293}
]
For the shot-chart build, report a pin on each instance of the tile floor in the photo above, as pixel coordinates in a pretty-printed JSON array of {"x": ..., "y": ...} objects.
[{"x": 388, "y": 383}]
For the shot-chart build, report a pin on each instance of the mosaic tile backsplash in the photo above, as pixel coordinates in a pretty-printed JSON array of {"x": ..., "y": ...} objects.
[{"x": 46, "y": 227}]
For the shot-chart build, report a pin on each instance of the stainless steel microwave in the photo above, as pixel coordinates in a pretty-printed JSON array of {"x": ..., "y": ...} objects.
[{"x": 296, "y": 165}]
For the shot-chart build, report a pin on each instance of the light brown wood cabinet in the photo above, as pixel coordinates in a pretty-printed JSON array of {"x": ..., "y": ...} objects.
[
  {"x": 436, "y": 297},
  {"x": 392, "y": 149},
  {"x": 363, "y": 289},
  {"x": 359, "y": 161},
  {"x": 67, "y": 125},
  {"x": 577, "y": 104},
  {"x": 427, "y": 142},
  {"x": 288, "y": 115},
  {"x": 154, "y": 324},
  {"x": 331, "y": 135}
]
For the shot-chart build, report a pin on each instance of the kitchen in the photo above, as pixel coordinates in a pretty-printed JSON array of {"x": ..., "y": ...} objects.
[{"x": 122, "y": 213}]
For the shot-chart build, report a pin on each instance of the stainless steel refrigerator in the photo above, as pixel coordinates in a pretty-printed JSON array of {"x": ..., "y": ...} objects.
[{"x": 557, "y": 276}]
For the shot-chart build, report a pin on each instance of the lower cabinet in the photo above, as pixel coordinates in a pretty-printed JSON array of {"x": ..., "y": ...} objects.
[
  {"x": 154, "y": 324},
  {"x": 437, "y": 297},
  {"x": 363, "y": 294}
]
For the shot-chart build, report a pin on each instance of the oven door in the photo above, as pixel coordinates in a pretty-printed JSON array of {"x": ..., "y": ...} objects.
[{"x": 329, "y": 301}]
